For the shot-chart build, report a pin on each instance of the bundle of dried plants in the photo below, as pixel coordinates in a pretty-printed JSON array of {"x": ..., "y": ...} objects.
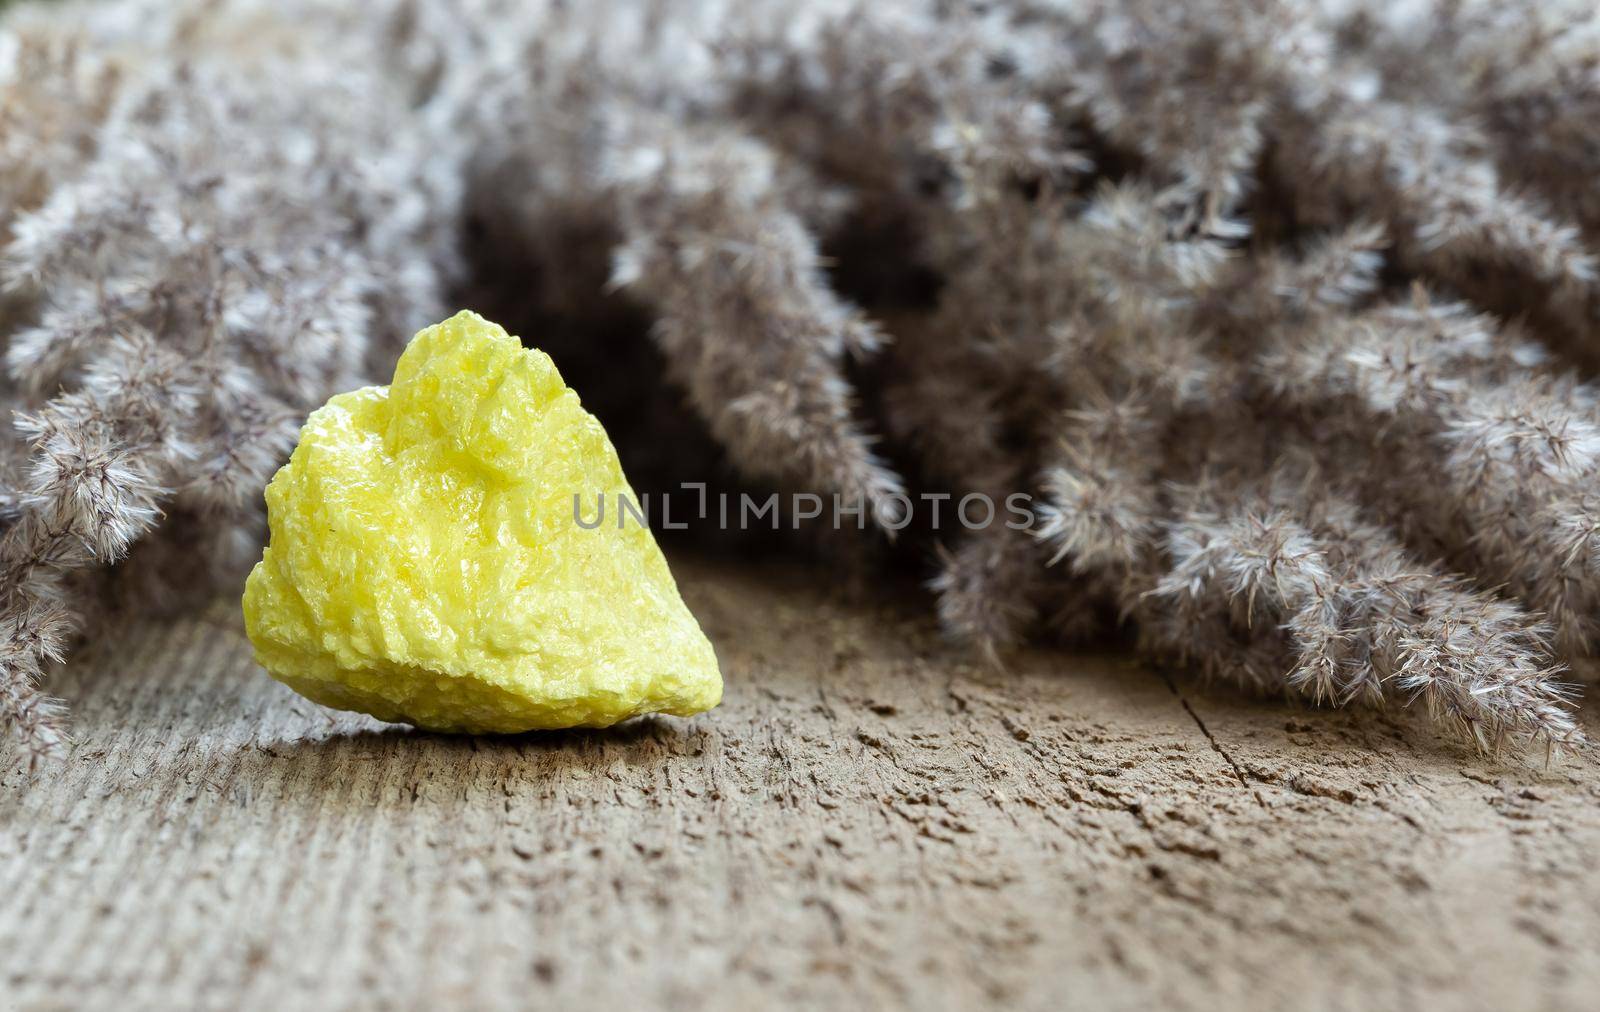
[{"x": 1284, "y": 313}]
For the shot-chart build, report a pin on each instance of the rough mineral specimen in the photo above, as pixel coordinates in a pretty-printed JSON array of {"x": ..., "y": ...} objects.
[{"x": 426, "y": 566}]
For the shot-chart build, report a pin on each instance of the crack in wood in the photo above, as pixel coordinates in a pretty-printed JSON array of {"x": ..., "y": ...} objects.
[{"x": 1216, "y": 745}]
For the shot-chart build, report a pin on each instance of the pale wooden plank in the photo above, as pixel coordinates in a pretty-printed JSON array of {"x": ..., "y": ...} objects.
[{"x": 865, "y": 821}]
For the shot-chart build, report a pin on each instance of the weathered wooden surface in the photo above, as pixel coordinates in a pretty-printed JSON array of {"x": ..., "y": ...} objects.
[{"x": 864, "y": 821}]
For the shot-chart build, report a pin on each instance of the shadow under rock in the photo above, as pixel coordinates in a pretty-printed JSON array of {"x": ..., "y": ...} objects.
[
  {"x": 401, "y": 758},
  {"x": 649, "y": 731}
]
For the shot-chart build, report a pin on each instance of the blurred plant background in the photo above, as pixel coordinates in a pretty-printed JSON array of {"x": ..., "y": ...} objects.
[{"x": 1284, "y": 313}]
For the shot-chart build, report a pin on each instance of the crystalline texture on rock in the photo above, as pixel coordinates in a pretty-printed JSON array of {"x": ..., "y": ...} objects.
[{"x": 426, "y": 566}]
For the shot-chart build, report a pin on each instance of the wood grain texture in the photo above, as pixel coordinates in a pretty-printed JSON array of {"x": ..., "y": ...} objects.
[{"x": 865, "y": 822}]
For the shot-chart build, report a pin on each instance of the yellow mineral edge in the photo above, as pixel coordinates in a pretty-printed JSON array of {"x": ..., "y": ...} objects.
[{"x": 425, "y": 565}]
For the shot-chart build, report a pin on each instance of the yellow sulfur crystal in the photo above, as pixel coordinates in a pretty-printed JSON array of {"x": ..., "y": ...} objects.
[{"x": 426, "y": 566}]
